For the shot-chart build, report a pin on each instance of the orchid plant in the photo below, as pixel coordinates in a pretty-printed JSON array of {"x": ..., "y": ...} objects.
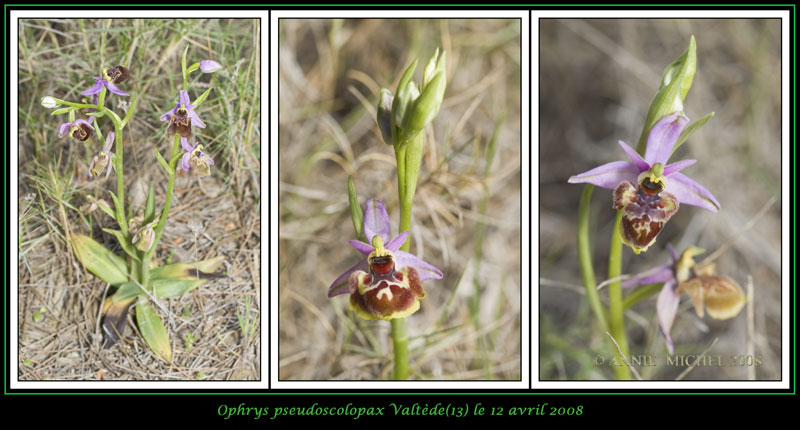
[
  {"x": 647, "y": 192},
  {"x": 140, "y": 281},
  {"x": 387, "y": 284}
]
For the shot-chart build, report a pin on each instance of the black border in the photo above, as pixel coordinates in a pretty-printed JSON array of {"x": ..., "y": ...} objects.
[{"x": 199, "y": 405}]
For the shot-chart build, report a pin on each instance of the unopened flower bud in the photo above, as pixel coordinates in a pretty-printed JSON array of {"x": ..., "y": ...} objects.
[
  {"x": 210, "y": 66},
  {"x": 385, "y": 115},
  {"x": 50, "y": 102}
]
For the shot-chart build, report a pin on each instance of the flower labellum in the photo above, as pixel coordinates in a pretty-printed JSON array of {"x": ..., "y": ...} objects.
[
  {"x": 195, "y": 160},
  {"x": 143, "y": 235},
  {"x": 647, "y": 189},
  {"x": 80, "y": 129},
  {"x": 720, "y": 296},
  {"x": 388, "y": 283},
  {"x": 112, "y": 76},
  {"x": 210, "y": 66},
  {"x": 385, "y": 292},
  {"x": 102, "y": 159},
  {"x": 182, "y": 117}
]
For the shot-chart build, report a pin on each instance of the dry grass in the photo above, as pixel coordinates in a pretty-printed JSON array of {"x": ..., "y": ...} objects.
[
  {"x": 598, "y": 78},
  {"x": 217, "y": 215},
  {"x": 330, "y": 76}
]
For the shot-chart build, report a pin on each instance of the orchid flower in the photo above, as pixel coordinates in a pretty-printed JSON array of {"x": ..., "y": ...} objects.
[
  {"x": 80, "y": 129},
  {"x": 102, "y": 158},
  {"x": 195, "y": 159},
  {"x": 182, "y": 117},
  {"x": 392, "y": 286},
  {"x": 659, "y": 189},
  {"x": 720, "y": 296},
  {"x": 112, "y": 76}
]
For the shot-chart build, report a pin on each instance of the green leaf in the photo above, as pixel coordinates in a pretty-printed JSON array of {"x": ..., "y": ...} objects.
[
  {"x": 198, "y": 101},
  {"x": 99, "y": 260},
  {"x": 150, "y": 205},
  {"x": 129, "y": 113},
  {"x": 192, "y": 68},
  {"x": 61, "y": 111},
  {"x": 163, "y": 162},
  {"x": 690, "y": 129},
  {"x": 126, "y": 291},
  {"x": 169, "y": 288},
  {"x": 177, "y": 271},
  {"x": 153, "y": 330},
  {"x": 355, "y": 210},
  {"x": 126, "y": 245}
]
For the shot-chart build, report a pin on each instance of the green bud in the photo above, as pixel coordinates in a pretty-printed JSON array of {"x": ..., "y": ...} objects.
[
  {"x": 385, "y": 115},
  {"x": 426, "y": 106},
  {"x": 50, "y": 102},
  {"x": 675, "y": 84},
  {"x": 407, "y": 95},
  {"x": 355, "y": 210}
]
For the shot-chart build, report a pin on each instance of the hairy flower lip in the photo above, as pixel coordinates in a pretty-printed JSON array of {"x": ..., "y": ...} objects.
[
  {"x": 182, "y": 117},
  {"x": 683, "y": 276},
  {"x": 195, "y": 160},
  {"x": 376, "y": 222},
  {"x": 81, "y": 129},
  {"x": 661, "y": 140}
]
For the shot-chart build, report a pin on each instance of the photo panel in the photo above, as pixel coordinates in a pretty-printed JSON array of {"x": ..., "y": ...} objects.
[{"x": 336, "y": 316}]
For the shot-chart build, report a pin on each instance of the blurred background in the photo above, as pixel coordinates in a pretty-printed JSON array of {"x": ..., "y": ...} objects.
[
  {"x": 598, "y": 77},
  {"x": 466, "y": 218},
  {"x": 59, "y": 303}
]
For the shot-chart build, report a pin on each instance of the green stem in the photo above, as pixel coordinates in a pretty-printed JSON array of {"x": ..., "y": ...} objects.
[
  {"x": 615, "y": 304},
  {"x": 585, "y": 258},
  {"x": 167, "y": 201},
  {"x": 400, "y": 341},
  {"x": 409, "y": 158}
]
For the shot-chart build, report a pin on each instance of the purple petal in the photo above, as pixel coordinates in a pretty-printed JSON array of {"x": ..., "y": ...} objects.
[
  {"x": 361, "y": 247},
  {"x": 397, "y": 242},
  {"x": 336, "y": 287},
  {"x": 109, "y": 141},
  {"x": 113, "y": 88},
  {"x": 184, "y": 97},
  {"x": 425, "y": 269},
  {"x": 691, "y": 193},
  {"x": 635, "y": 157},
  {"x": 376, "y": 220},
  {"x": 672, "y": 253},
  {"x": 657, "y": 274},
  {"x": 63, "y": 129},
  {"x": 196, "y": 121},
  {"x": 108, "y": 169},
  {"x": 98, "y": 85},
  {"x": 677, "y": 167},
  {"x": 667, "y": 307},
  {"x": 210, "y": 160},
  {"x": 663, "y": 136},
  {"x": 185, "y": 161},
  {"x": 608, "y": 175},
  {"x": 168, "y": 116},
  {"x": 185, "y": 145},
  {"x": 83, "y": 121},
  {"x": 209, "y": 66}
]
